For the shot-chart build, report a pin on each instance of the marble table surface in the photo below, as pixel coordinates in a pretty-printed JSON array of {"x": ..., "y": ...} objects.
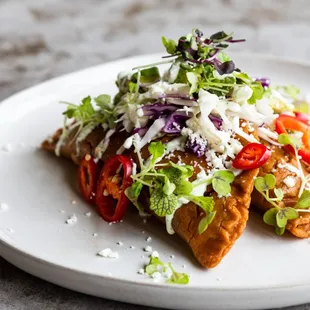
[{"x": 47, "y": 38}]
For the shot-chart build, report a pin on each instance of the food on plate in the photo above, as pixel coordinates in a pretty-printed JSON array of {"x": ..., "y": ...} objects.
[{"x": 194, "y": 146}]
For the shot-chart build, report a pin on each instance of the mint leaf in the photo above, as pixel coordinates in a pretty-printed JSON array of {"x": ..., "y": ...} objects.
[
  {"x": 161, "y": 203},
  {"x": 304, "y": 200},
  {"x": 287, "y": 139},
  {"x": 205, "y": 221},
  {"x": 221, "y": 182},
  {"x": 206, "y": 203},
  {"x": 270, "y": 217},
  {"x": 157, "y": 150},
  {"x": 169, "y": 44}
]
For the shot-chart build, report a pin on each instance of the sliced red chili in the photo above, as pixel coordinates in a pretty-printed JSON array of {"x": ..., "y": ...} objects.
[
  {"x": 88, "y": 178},
  {"x": 252, "y": 156},
  {"x": 302, "y": 117},
  {"x": 286, "y": 122},
  {"x": 111, "y": 200}
]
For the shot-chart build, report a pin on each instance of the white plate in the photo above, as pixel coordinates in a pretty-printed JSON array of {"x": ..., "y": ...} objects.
[{"x": 261, "y": 271}]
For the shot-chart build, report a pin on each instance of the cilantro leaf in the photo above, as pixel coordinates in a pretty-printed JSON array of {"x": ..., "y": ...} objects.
[
  {"x": 205, "y": 221},
  {"x": 206, "y": 203},
  {"x": 265, "y": 183},
  {"x": 161, "y": 203},
  {"x": 221, "y": 182},
  {"x": 157, "y": 150},
  {"x": 169, "y": 44},
  {"x": 304, "y": 200}
]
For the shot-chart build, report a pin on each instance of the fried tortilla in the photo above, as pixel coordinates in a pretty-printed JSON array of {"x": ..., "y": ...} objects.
[
  {"x": 231, "y": 217},
  {"x": 281, "y": 165}
]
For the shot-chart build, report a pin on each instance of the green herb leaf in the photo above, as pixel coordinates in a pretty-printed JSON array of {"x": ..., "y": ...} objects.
[
  {"x": 132, "y": 87},
  {"x": 193, "y": 81},
  {"x": 281, "y": 218},
  {"x": 304, "y": 200},
  {"x": 184, "y": 188},
  {"x": 270, "y": 217},
  {"x": 206, "y": 203},
  {"x": 161, "y": 203},
  {"x": 287, "y": 139},
  {"x": 302, "y": 106},
  {"x": 265, "y": 183},
  {"x": 279, "y": 193},
  {"x": 221, "y": 182},
  {"x": 258, "y": 92},
  {"x": 136, "y": 188},
  {"x": 132, "y": 194},
  {"x": 103, "y": 101},
  {"x": 168, "y": 187},
  {"x": 280, "y": 230},
  {"x": 83, "y": 112},
  {"x": 157, "y": 150},
  {"x": 290, "y": 213},
  {"x": 187, "y": 170},
  {"x": 178, "y": 278},
  {"x": 289, "y": 90},
  {"x": 205, "y": 221},
  {"x": 154, "y": 265},
  {"x": 147, "y": 76},
  {"x": 169, "y": 44},
  {"x": 223, "y": 57}
]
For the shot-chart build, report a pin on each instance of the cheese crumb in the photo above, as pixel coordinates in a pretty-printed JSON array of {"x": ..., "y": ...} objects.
[
  {"x": 289, "y": 181},
  {"x": 95, "y": 235},
  {"x": 171, "y": 256},
  {"x": 141, "y": 271},
  {"x": 88, "y": 214},
  {"x": 108, "y": 253},
  {"x": 119, "y": 243},
  {"x": 71, "y": 220},
  {"x": 148, "y": 239},
  {"x": 148, "y": 249},
  {"x": 10, "y": 230},
  {"x": 155, "y": 254},
  {"x": 132, "y": 247},
  {"x": 156, "y": 275},
  {"x": 3, "y": 206},
  {"x": 73, "y": 202}
]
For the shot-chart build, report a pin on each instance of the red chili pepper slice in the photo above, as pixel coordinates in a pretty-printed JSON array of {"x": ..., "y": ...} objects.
[
  {"x": 286, "y": 122},
  {"x": 302, "y": 117},
  {"x": 88, "y": 178},
  {"x": 252, "y": 156},
  {"x": 110, "y": 195}
]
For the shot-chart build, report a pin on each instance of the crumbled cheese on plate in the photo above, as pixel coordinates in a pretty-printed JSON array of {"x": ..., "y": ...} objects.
[{"x": 108, "y": 253}]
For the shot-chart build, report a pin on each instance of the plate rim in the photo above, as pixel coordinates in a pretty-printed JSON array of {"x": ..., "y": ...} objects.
[{"x": 19, "y": 251}]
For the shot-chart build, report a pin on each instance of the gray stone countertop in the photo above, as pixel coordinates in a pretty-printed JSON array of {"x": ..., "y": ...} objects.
[{"x": 47, "y": 38}]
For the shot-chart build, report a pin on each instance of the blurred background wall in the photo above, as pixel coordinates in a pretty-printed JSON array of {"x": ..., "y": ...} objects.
[{"x": 43, "y": 39}]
